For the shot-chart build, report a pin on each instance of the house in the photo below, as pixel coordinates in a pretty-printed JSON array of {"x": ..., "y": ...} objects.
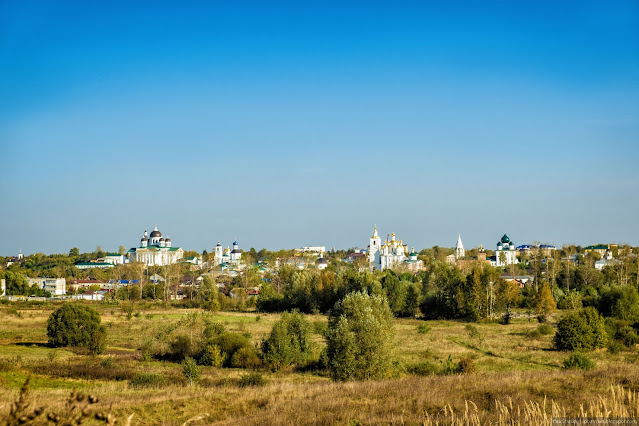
[
  {"x": 91, "y": 295},
  {"x": 76, "y": 285},
  {"x": 98, "y": 263},
  {"x": 604, "y": 250},
  {"x": 55, "y": 286},
  {"x": 521, "y": 280}
]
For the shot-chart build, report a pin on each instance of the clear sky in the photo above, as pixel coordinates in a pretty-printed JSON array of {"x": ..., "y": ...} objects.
[{"x": 296, "y": 123}]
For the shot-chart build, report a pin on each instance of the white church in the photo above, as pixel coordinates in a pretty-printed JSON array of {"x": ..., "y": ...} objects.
[
  {"x": 506, "y": 253},
  {"x": 155, "y": 250},
  {"x": 227, "y": 256},
  {"x": 383, "y": 256}
]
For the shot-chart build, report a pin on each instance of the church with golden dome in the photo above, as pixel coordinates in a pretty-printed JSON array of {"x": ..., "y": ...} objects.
[{"x": 383, "y": 256}]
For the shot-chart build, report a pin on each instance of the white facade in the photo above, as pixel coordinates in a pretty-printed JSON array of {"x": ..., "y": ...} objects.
[
  {"x": 383, "y": 256},
  {"x": 55, "y": 286},
  {"x": 321, "y": 263},
  {"x": 459, "y": 248},
  {"x": 228, "y": 256},
  {"x": 156, "y": 250},
  {"x": 312, "y": 249},
  {"x": 506, "y": 254}
]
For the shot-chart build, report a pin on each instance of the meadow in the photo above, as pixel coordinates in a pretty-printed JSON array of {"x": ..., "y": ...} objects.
[{"x": 517, "y": 378}]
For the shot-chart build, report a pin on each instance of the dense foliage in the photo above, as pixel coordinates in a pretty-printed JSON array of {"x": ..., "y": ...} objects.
[
  {"x": 290, "y": 341},
  {"x": 581, "y": 330},
  {"x": 76, "y": 325},
  {"x": 360, "y": 338}
]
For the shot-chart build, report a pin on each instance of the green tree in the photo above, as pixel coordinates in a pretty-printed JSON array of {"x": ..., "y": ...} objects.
[
  {"x": 360, "y": 338},
  {"x": 190, "y": 370},
  {"x": 581, "y": 330},
  {"x": 76, "y": 325},
  {"x": 627, "y": 305},
  {"x": 290, "y": 341},
  {"x": 544, "y": 302}
]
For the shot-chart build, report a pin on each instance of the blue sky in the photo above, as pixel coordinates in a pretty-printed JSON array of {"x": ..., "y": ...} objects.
[{"x": 285, "y": 124}]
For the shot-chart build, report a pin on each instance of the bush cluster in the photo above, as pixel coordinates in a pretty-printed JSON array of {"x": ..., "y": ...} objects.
[
  {"x": 76, "y": 325},
  {"x": 581, "y": 330}
]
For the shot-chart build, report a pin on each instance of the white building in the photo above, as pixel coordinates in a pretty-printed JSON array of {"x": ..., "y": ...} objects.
[
  {"x": 227, "y": 256},
  {"x": 321, "y": 263},
  {"x": 55, "y": 286},
  {"x": 414, "y": 264},
  {"x": 155, "y": 250},
  {"x": 317, "y": 250},
  {"x": 383, "y": 256},
  {"x": 506, "y": 253},
  {"x": 459, "y": 248}
]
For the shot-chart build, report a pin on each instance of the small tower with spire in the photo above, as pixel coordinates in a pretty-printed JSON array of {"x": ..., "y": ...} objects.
[{"x": 459, "y": 248}]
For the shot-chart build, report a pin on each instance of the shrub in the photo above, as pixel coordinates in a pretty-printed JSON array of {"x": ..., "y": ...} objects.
[
  {"x": 627, "y": 336},
  {"x": 466, "y": 366},
  {"x": 148, "y": 380},
  {"x": 190, "y": 370},
  {"x": 545, "y": 329},
  {"x": 180, "y": 348},
  {"x": 213, "y": 356},
  {"x": 245, "y": 357},
  {"x": 76, "y": 325},
  {"x": 229, "y": 344},
  {"x": 578, "y": 361},
  {"x": 423, "y": 329},
  {"x": 448, "y": 366},
  {"x": 360, "y": 337},
  {"x": 583, "y": 329},
  {"x": 252, "y": 379},
  {"x": 108, "y": 362},
  {"x": 320, "y": 327},
  {"x": 423, "y": 369},
  {"x": 212, "y": 329},
  {"x": 290, "y": 341}
]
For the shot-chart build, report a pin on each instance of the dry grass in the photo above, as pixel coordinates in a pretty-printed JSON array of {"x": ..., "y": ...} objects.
[{"x": 519, "y": 380}]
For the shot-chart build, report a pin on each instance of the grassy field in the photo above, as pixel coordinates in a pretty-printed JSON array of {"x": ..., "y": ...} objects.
[{"x": 519, "y": 378}]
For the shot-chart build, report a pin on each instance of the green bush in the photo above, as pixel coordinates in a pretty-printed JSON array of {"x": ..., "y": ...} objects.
[
  {"x": 213, "y": 356},
  {"x": 360, "y": 338},
  {"x": 180, "y": 348},
  {"x": 449, "y": 366},
  {"x": 290, "y": 341},
  {"x": 229, "y": 344},
  {"x": 423, "y": 329},
  {"x": 627, "y": 336},
  {"x": 148, "y": 380},
  {"x": 320, "y": 327},
  {"x": 424, "y": 369},
  {"x": 245, "y": 357},
  {"x": 108, "y": 362},
  {"x": 76, "y": 325},
  {"x": 545, "y": 329},
  {"x": 190, "y": 370},
  {"x": 578, "y": 361},
  {"x": 252, "y": 379},
  {"x": 581, "y": 330}
]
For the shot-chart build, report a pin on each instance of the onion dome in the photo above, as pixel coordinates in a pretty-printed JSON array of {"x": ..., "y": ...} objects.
[
  {"x": 322, "y": 261},
  {"x": 167, "y": 239},
  {"x": 505, "y": 239}
]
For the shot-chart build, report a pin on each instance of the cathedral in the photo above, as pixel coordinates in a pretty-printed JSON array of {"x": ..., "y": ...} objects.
[
  {"x": 505, "y": 253},
  {"x": 155, "y": 250},
  {"x": 383, "y": 256},
  {"x": 227, "y": 256}
]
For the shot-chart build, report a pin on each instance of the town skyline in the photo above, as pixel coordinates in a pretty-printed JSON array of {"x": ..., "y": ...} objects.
[
  {"x": 113, "y": 248},
  {"x": 288, "y": 125}
]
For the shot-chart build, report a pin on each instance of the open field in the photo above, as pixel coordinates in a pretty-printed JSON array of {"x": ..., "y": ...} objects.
[{"x": 516, "y": 369}]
